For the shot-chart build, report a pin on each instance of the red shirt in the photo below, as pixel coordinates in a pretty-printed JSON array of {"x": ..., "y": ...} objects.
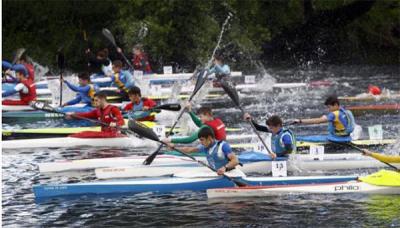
[
  {"x": 107, "y": 115},
  {"x": 145, "y": 102},
  {"x": 140, "y": 62},
  {"x": 218, "y": 127},
  {"x": 31, "y": 71},
  {"x": 31, "y": 95}
]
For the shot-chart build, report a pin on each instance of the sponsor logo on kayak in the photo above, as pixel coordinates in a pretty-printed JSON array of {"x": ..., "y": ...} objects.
[{"x": 346, "y": 188}]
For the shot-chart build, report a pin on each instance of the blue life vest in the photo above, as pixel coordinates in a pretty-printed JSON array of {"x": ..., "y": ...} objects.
[
  {"x": 278, "y": 147},
  {"x": 138, "y": 107},
  {"x": 129, "y": 82},
  {"x": 343, "y": 124},
  {"x": 215, "y": 156}
]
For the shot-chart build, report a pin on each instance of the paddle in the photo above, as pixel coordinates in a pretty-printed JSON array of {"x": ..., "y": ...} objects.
[
  {"x": 350, "y": 144},
  {"x": 169, "y": 107},
  {"x": 199, "y": 83},
  {"x": 148, "y": 133},
  {"x": 18, "y": 54},
  {"x": 232, "y": 93},
  {"x": 37, "y": 105},
  {"x": 111, "y": 38},
  {"x": 60, "y": 63}
]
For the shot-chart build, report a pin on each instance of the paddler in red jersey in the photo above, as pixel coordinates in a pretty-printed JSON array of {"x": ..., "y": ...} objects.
[
  {"x": 26, "y": 87},
  {"x": 204, "y": 120},
  {"x": 29, "y": 67},
  {"x": 139, "y": 105},
  {"x": 140, "y": 60},
  {"x": 109, "y": 115}
]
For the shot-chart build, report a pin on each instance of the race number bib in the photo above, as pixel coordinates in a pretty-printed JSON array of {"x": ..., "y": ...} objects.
[
  {"x": 159, "y": 130},
  {"x": 375, "y": 132},
  {"x": 279, "y": 168},
  {"x": 250, "y": 79},
  {"x": 317, "y": 152},
  {"x": 167, "y": 69}
]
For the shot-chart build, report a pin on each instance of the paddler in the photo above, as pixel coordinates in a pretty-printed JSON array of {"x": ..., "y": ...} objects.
[
  {"x": 340, "y": 121},
  {"x": 109, "y": 115},
  {"x": 121, "y": 79},
  {"x": 85, "y": 92},
  {"x": 140, "y": 60},
  {"x": 25, "y": 87},
  {"x": 219, "y": 153},
  {"x": 100, "y": 63},
  {"x": 374, "y": 90},
  {"x": 222, "y": 71},
  {"x": 8, "y": 75},
  {"x": 204, "y": 120},
  {"x": 283, "y": 141},
  {"x": 140, "y": 105},
  {"x": 28, "y": 65}
]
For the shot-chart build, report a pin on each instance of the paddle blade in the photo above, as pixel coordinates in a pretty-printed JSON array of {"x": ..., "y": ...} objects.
[
  {"x": 142, "y": 130},
  {"x": 201, "y": 78},
  {"x": 152, "y": 156},
  {"x": 38, "y": 105},
  {"x": 18, "y": 54},
  {"x": 109, "y": 36},
  {"x": 231, "y": 91},
  {"x": 170, "y": 107}
]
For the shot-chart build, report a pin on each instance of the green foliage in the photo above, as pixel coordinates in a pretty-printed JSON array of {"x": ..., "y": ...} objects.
[{"x": 185, "y": 31}]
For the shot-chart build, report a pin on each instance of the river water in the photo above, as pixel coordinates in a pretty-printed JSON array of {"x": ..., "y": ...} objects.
[{"x": 193, "y": 209}]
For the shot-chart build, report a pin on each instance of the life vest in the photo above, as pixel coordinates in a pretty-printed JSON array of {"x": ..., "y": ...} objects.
[
  {"x": 343, "y": 124},
  {"x": 218, "y": 127},
  {"x": 92, "y": 91},
  {"x": 278, "y": 147},
  {"x": 140, "y": 62},
  {"x": 215, "y": 156},
  {"x": 106, "y": 116},
  {"x": 119, "y": 83},
  {"x": 31, "y": 95},
  {"x": 107, "y": 69}
]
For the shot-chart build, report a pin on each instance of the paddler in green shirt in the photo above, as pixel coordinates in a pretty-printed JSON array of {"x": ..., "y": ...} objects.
[{"x": 205, "y": 119}]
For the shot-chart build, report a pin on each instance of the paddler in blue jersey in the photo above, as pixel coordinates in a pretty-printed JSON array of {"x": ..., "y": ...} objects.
[
  {"x": 219, "y": 153},
  {"x": 121, "y": 79},
  {"x": 283, "y": 141},
  {"x": 340, "y": 121},
  {"x": 222, "y": 71},
  {"x": 8, "y": 76},
  {"x": 85, "y": 93}
]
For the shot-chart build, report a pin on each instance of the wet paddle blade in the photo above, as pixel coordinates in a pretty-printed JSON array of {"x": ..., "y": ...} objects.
[
  {"x": 142, "y": 130},
  {"x": 60, "y": 60},
  {"x": 152, "y": 156},
  {"x": 201, "y": 77},
  {"x": 18, "y": 54},
  {"x": 231, "y": 91},
  {"x": 170, "y": 107},
  {"x": 38, "y": 105},
  {"x": 109, "y": 36}
]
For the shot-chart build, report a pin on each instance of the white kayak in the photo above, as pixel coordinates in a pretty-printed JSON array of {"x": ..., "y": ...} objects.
[
  {"x": 120, "y": 142},
  {"x": 319, "y": 188},
  {"x": 298, "y": 163}
]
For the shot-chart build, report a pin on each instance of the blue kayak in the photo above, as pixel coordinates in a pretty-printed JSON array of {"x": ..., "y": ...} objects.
[
  {"x": 170, "y": 184},
  {"x": 323, "y": 138}
]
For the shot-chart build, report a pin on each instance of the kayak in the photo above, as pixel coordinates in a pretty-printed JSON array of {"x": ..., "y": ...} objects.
[
  {"x": 375, "y": 109},
  {"x": 40, "y": 133},
  {"x": 382, "y": 182},
  {"x": 252, "y": 162},
  {"x": 370, "y": 97},
  {"x": 169, "y": 184},
  {"x": 126, "y": 142},
  {"x": 122, "y": 142},
  {"x": 353, "y": 186},
  {"x": 119, "y": 142}
]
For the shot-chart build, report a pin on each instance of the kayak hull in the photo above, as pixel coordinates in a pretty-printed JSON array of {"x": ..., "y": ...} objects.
[
  {"x": 167, "y": 184},
  {"x": 319, "y": 188}
]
